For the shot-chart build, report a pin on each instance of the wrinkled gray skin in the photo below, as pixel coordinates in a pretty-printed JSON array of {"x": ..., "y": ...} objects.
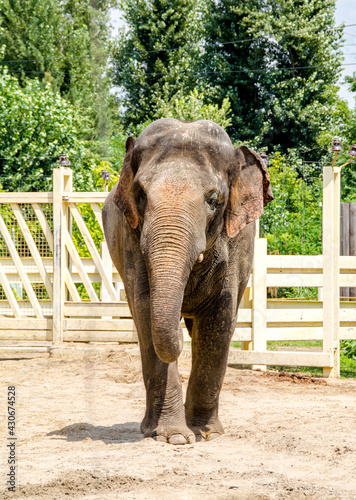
[{"x": 180, "y": 229}]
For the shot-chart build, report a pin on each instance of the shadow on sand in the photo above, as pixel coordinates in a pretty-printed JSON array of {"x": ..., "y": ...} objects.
[{"x": 129, "y": 432}]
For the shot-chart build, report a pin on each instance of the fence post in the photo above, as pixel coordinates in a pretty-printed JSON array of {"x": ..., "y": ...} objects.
[
  {"x": 331, "y": 268},
  {"x": 62, "y": 182},
  {"x": 259, "y": 298}
]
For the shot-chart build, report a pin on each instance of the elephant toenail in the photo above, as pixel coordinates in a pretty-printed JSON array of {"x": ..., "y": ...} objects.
[
  {"x": 213, "y": 435},
  {"x": 160, "y": 438},
  {"x": 177, "y": 439},
  {"x": 191, "y": 439}
]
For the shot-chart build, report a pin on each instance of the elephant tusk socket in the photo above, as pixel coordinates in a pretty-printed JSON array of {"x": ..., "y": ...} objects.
[{"x": 200, "y": 258}]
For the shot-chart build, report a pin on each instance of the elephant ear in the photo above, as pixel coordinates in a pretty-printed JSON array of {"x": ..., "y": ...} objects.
[
  {"x": 124, "y": 197},
  {"x": 250, "y": 190}
]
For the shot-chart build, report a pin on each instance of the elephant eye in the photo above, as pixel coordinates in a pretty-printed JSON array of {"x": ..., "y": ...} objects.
[
  {"x": 140, "y": 194},
  {"x": 140, "y": 199},
  {"x": 212, "y": 201}
]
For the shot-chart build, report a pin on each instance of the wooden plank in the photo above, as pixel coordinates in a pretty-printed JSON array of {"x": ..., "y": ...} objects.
[
  {"x": 242, "y": 334},
  {"x": 293, "y": 304},
  {"x": 309, "y": 263},
  {"x": 283, "y": 316},
  {"x": 9, "y": 294},
  {"x": 294, "y": 333},
  {"x": 99, "y": 336},
  {"x": 348, "y": 314},
  {"x": 348, "y": 263},
  {"x": 25, "y": 343},
  {"x": 280, "y": 358},
  {"x": 71, "y": 286},
  {"x": 83, "y": 274},
  {"x": 25, "y": 308},
  {"x": 93, "y": 250},
  {"x": 35, "y": 277},
  {"x": 25, "y": 324},
  {"x": 17, "y": 261},
  {"x": 33, "y": 249},
  {"x": 89, "y": 309},
  {"x": 97, "y": 211},
  {"x": 244, "y": 316},
  {"x": 348, "y": 333},
  {"x": 17, "y": 351},
  {"x": 85, "y": 197},
  {"x": 14, "y": 335},
  {"x": 99, "y": 324},
  {"x": 294, "y": 280},
  {"x": 348, "y": 280},
  {"x": 28, "y": 264},
  {"x": 26, "y": 197}
]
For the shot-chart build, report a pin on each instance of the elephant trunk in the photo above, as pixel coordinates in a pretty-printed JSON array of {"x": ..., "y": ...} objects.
[{"x": 172, "y": 254}]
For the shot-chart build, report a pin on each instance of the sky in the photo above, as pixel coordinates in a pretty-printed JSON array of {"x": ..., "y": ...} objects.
[{"x": 345, "y": 12}]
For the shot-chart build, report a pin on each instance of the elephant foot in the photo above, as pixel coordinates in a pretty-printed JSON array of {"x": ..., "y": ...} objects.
[
  {"x": 207, "y": 432},
  {"x": 172, "y": 434}
]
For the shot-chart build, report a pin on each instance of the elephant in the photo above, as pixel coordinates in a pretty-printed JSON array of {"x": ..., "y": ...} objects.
[{"x": 180, "y": 229}]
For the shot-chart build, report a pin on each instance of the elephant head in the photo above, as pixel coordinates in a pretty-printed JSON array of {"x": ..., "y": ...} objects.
[{"x": 182, "y": 187}]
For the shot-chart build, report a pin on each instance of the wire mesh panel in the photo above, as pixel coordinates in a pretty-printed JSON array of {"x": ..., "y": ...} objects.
[
  {"x": 85, "y": 238},
  {"x": 26, "y": 260}
]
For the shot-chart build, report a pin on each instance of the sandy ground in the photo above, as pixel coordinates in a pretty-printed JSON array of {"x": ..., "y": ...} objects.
[{"x": 78, "y": 435}]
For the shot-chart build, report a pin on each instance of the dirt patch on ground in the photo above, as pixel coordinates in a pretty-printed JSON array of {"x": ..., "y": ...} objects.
[{"x": 287, "y": 437}]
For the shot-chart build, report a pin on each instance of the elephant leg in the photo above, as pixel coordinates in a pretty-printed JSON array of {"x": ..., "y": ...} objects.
[
  {"x": 211, "y": 336},
  {"x": 164, "y": 418}
]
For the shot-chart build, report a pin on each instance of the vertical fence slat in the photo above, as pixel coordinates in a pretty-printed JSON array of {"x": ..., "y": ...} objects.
[
  {"x": 331, "y": 251},
  {"x": 259, "y": 298},
  {"x": 62, "y": 182}
]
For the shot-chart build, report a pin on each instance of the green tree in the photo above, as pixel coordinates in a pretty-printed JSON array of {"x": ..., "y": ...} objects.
[
  {"x": 292, "y": 224},
  {"x": 154, "y": 54},
  {"x": 192, "y": 107},
  {"x": 279, "y": 63},
  {"x": 38, "y": 125},
  {"x": 66, "y": 44}
]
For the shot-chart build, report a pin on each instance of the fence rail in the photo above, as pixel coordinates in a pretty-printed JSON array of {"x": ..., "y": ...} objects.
[{"x": 58, "y": 284}]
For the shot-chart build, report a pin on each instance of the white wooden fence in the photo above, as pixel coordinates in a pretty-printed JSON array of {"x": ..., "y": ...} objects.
[{"x": 52, "y": 295}]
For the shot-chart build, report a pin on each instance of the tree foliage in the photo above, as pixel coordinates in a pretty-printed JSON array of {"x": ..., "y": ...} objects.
[
  {"x": 192, "y": 107},
  {"x": 66, "y": 44},
  {"x": 153, "y": 58},
  {"x": 292, "y": 224},
  {"x": 279, "y": 63},
  {"x": 36, "y": 127}
]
